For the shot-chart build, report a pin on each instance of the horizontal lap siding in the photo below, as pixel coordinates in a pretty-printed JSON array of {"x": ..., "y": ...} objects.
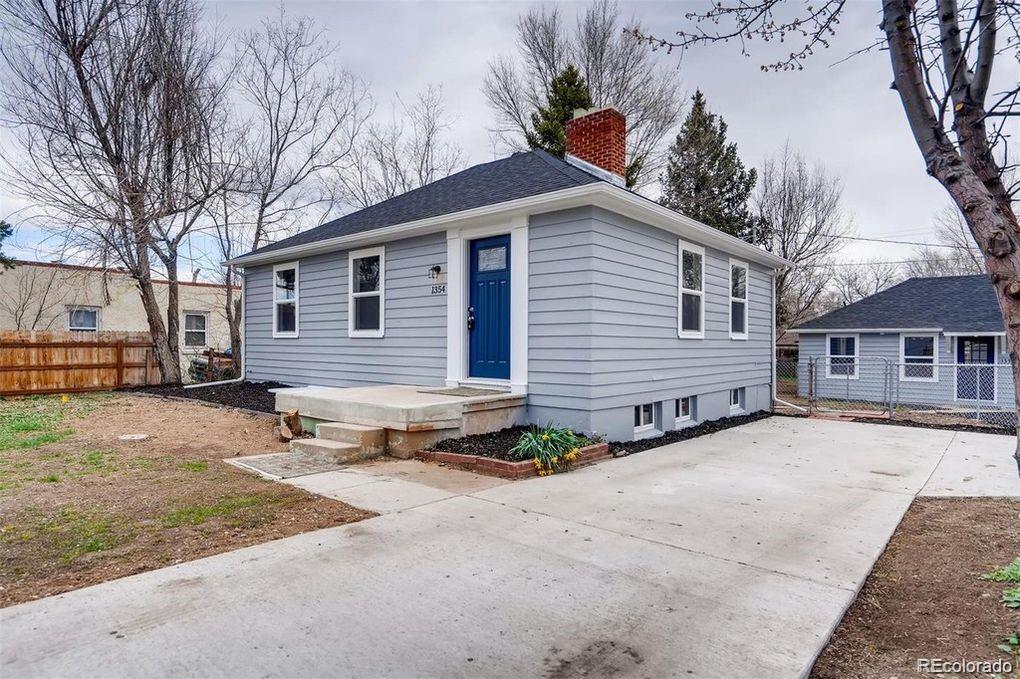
[
  {"x": 560, "y": 271},
  {"x": 413, "y": 350},
  {"x": 637, "y": 355}
]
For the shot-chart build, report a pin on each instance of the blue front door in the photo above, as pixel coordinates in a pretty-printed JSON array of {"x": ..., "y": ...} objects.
[
  {"x": 973, "y": 381},
  {"x": 489, "y": 308}
]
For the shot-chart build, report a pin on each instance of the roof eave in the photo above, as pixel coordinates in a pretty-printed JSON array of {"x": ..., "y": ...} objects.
[{"x": 601, "y": 194}]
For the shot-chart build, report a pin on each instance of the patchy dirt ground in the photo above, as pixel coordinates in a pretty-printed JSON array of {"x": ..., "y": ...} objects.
[
  {"x": 925, "y": 597},
  {"x": 79, "y": 506}
]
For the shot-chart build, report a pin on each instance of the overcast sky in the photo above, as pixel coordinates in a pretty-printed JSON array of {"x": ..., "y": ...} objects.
[{"x": 844, "y": 116}]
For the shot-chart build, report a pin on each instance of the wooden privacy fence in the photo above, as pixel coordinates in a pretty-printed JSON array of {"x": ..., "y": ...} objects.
[{"x": 56, "y": 362}]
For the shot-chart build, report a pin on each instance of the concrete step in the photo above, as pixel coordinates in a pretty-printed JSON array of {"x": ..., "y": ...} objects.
[
  {"x": 341, "y": 452},
  {"x": 371, "y": 439}
]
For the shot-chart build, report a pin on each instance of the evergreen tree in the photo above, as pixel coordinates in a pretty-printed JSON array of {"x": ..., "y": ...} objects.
[
  {"x": 567, "y": 91},
  {"x": 6, "y": 231},
  {"x": 705, "y": 178}
]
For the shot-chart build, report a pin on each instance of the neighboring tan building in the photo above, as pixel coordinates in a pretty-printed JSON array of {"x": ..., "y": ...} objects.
[{"x": 55, "y": 297}]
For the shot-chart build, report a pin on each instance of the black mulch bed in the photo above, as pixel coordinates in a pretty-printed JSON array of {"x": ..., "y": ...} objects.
[
  {"x": 621, "y": 448},
  {"x": 247, "y": 395},
  {"x": 973, "y": 428},
  {"x": 498, "y": 443}
]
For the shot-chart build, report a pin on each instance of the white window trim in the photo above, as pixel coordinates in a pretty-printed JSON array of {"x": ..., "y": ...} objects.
[
  {"x": 856, "y": 355},
  {"x": 379, "y": 252},
  {"x": 83, "y": 307},
  {"x": 277, "y": 334},
  {"x": 995, "y": 370},
  {"x": 690, "y": 410},
  {"x": 643, "y": 428},
  {"x": 737, "y": 407},
  {"x": 205, "y": 333},
  {"x": 746, "y": 299},
  {"x": 681, "y": 291},
  {"x": 934, "y": 358}
]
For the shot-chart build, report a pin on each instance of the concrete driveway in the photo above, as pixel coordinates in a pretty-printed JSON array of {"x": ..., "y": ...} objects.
[{"x": 730, "y": 555}]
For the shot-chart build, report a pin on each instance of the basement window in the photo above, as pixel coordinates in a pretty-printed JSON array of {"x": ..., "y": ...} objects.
[
  {"x": 644, "y": 418},
  {"x": 685, "y": 408},
  {"x": 737, "y": 400},
  {"x": 366, "y": 293}
]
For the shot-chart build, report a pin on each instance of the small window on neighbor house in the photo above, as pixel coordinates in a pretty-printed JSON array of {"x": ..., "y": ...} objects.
[
  {"x": 684, "y": 408},
  {"x": 644, "y": 417},
  {"x": 737, "y": 399},
  {"x": 83, "y": 319},
  {"x": 366, "y": 297},
  {"x": 285, "y": 300},
  {"x": 918, "y": 352},
  {"x": 842, "y": 358},
  {"x": 195, "y": 329},
  {"x": 692, "y": 291},
  {"x": 738, "y": 300}
]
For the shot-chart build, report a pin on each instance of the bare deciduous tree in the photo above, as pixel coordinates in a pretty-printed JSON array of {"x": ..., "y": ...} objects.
[
  {"x": 304, "y": 116},
  {"x": 31, "y": 300},
  {"x": 616, "y": 68},
  {"x": 957, "y": 255},
  {"x": 943, "y": 55},
  {"x": 111, "y": 103},
  {"x": 852, "y": 282},
  {"x": 400, "y": 155},
  {"x": 801, "y": 207}
]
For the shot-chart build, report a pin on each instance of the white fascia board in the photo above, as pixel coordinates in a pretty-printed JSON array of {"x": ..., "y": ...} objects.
[
  {"x": 601, "y": 194},
  {"x": 852, "y": 331}
]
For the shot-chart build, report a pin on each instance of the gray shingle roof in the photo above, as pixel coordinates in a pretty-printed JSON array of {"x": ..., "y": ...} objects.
[
  {"x": 952, "y": 303},
  {"x": 519, "y": 176}
]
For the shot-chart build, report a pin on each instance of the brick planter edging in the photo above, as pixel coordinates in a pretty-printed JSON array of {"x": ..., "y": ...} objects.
[{"x": 509, "y": 470}]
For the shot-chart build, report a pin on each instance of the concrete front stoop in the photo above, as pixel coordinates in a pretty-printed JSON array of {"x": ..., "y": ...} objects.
[{"x": 398, "y": 420}]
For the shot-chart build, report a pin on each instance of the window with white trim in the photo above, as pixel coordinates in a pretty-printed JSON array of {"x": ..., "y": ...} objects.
[
  {"x": 736, "y": 399},
  {"x": 644, "y": 417},
  {"x": 285, "y": 300},
  {"x": 738, "y": 300},
  {"x": 842, "y": 356},
  {"x": 685, "y": 408},
  {"x": 366, "y": 293},
  {"x": 917, "y": 358},
  {"x": 83, "y": 318},
  {"x": 691, "y": 312},
  {"x": 196, "y": 324}
]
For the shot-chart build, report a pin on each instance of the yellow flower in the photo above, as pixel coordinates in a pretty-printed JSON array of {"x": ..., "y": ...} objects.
[
  {"x": 545, "y": 437},
  {"x": 64, "y": 398}
]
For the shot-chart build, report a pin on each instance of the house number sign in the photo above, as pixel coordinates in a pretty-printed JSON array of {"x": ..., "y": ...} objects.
[{"x": 437, "y": 286}]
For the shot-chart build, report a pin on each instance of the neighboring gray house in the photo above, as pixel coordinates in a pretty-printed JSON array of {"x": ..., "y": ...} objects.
[
  {"x": 934, "y": 341},
  {"x": 531, "y": 274}
]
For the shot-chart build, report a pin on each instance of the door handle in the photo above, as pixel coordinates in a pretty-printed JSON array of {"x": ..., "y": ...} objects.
[{"x": 471, "y": 318}]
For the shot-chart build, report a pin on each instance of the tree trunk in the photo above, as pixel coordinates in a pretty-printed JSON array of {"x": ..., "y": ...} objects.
[
  {"x": 234, "y": 312},
  {"x": 169, "y": 365},
  {"x": 969, "y": 175},
  {"x": 173, "y": 316}
]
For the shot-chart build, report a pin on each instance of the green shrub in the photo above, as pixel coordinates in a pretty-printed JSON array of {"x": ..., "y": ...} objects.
[
  {"x": 1011, "y": 597},
  {"x": 550, "y": 448}
]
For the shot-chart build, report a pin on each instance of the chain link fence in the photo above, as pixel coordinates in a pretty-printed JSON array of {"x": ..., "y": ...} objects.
[{"x": 873, "y": 386}]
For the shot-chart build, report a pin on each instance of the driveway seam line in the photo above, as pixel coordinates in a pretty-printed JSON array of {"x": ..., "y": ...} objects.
[{"x": 938, "y": 464}]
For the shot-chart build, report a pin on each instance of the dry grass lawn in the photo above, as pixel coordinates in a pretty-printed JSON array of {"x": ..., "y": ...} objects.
[{"x": 79, "y": 506}]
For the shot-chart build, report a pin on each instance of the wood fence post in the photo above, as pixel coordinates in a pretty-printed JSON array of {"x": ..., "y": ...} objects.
[{"x": 120, "y": 363}]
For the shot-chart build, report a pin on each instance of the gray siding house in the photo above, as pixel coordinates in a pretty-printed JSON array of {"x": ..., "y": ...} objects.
[
  {"x": 925, "y": 341},
  {"x": 540, "y": 276}
]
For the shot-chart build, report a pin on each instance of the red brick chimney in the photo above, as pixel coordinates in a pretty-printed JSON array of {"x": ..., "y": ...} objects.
[{"x": 599, "y": 137}]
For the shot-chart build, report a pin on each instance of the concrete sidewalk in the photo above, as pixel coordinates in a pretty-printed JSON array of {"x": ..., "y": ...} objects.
[{"x": 730, "y": 555}]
